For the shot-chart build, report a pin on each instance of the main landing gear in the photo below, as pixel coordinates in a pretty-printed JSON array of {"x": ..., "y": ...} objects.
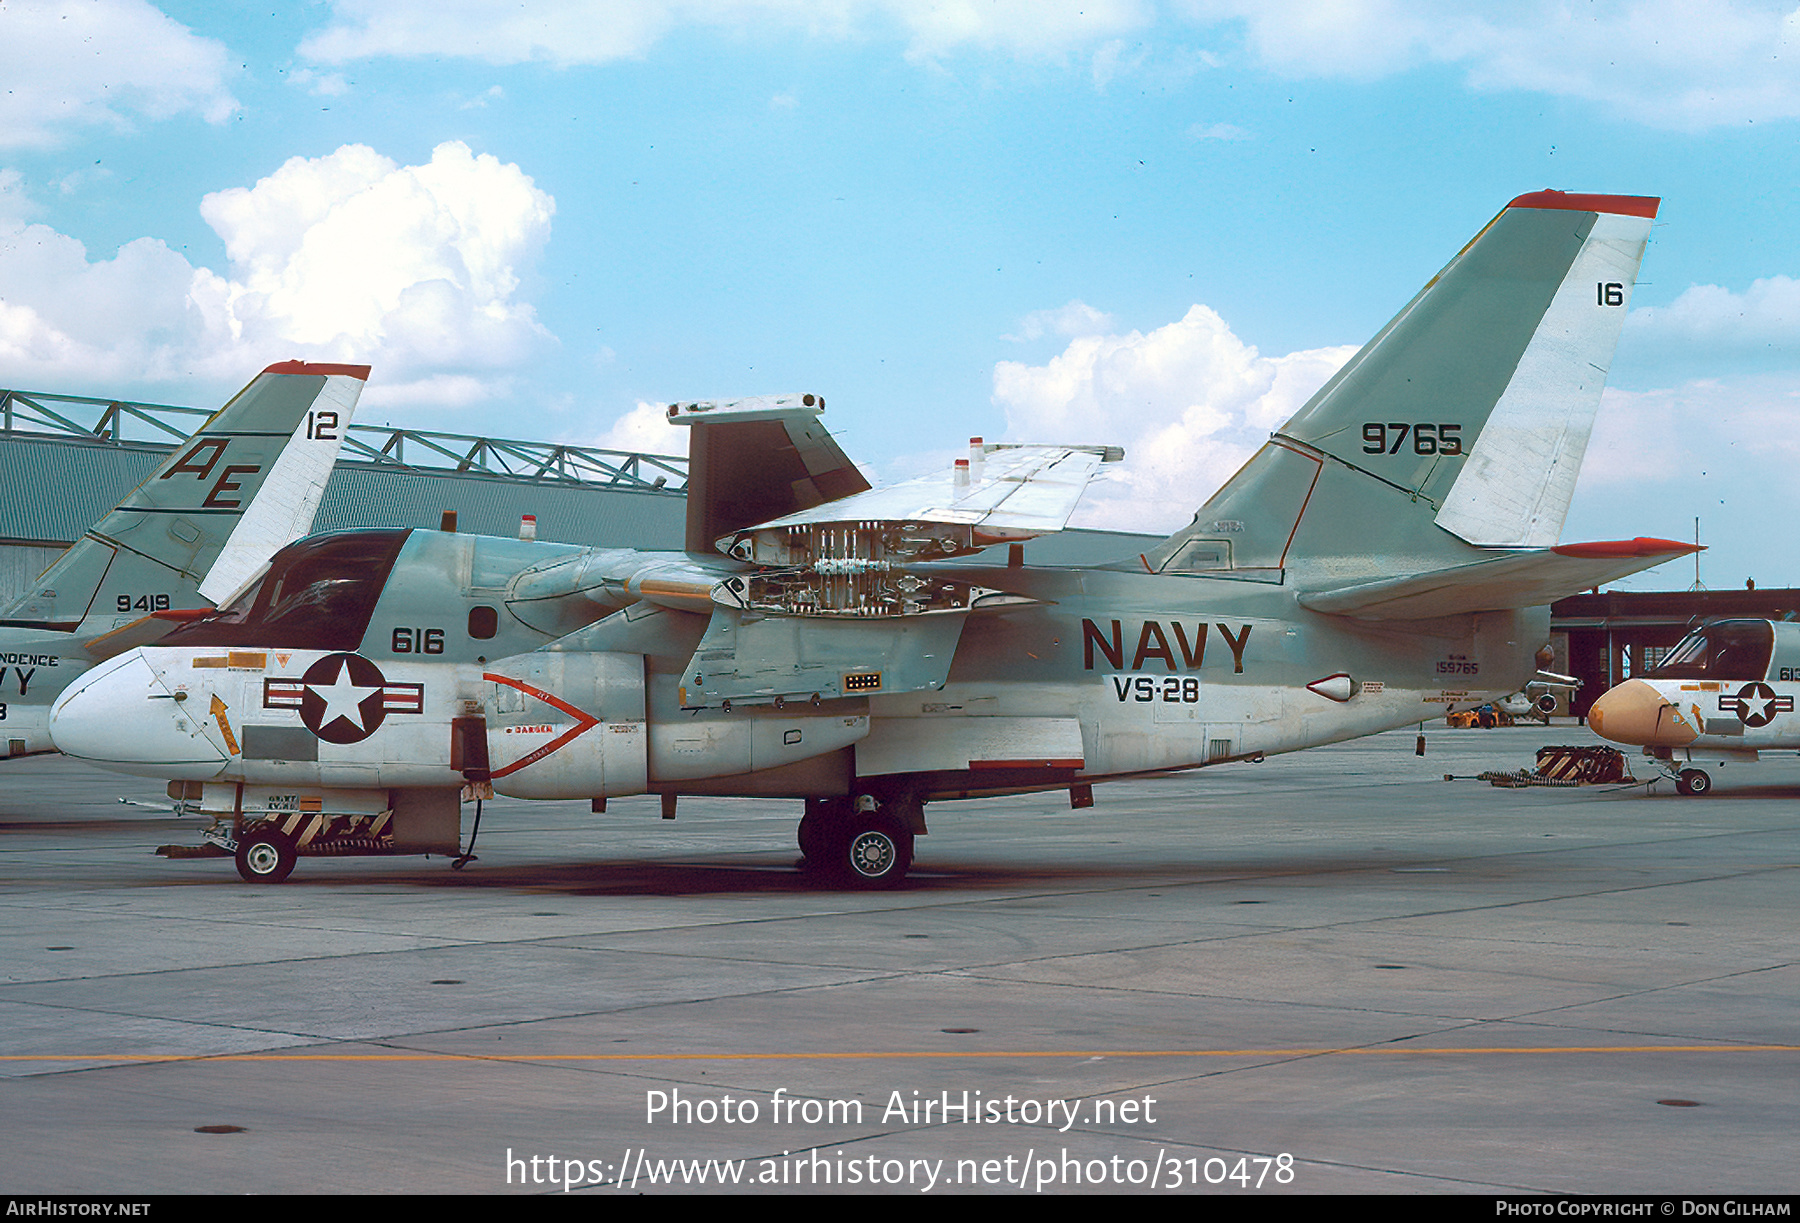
[{"x": 860, "y": 842}]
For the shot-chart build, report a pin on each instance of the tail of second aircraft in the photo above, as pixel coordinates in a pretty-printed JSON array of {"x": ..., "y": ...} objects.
[
  {"x": 1459, "y": 429},
  {"x": 204, "y": 524}
]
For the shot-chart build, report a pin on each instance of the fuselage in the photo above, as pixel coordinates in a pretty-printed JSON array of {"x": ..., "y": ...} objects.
[
  {"x": 1103, "y": 673},
  {"x": 36, "y": 665}
]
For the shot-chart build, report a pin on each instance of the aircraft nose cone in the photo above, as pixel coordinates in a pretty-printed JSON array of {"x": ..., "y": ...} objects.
[
  {"x": 1635, "y": 713},
  {"x": 122, "y": 716}
]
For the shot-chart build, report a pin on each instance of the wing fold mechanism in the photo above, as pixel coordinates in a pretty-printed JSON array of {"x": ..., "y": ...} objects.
[
  {"x": 838, "y": 599},
  {"x": 1001, "y": 493},
  {"x": 851, "y": 557},
  {"x": 1511, "y": 580}
]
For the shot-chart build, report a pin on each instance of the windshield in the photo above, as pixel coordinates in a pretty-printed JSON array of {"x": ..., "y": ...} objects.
[
  {"x": 318, "y": 595},
  {"x": 1726, "y": 650}
]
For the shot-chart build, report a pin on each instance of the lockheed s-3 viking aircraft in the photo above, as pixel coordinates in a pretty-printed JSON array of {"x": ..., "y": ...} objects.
[
  {"x": 1725, "y": 693},
  {"x": 1389, "y": 554},
  {"x": 197, "y": 532}
]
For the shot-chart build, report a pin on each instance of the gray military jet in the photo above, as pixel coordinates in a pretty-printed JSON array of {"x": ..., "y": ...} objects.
[
  {"x": 1725, "y": 693},
  {"x": 199, "y": 530},
  {"x": 1388, "y": 555}
]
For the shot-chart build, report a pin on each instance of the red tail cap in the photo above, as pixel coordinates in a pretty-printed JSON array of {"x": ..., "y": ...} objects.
[
  {"x": 320, "y": 369},
  {"x": 1624, "y": 205}
]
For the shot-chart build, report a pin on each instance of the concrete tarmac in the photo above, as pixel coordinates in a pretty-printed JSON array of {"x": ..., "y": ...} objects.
[{"x": 1330, "y": 972}]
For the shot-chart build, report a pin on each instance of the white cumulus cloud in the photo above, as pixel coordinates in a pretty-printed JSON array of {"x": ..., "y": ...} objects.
[
  {"x": 347, "y": 257},
  {"x": 569, "y": 32},
  {"x": 1720, "y": 449},
  {"x": 1189, "y": 401},
  {"x": 1076, "y": 318},
  {"x": 1667, "y": 63},
  {"x": 645, "y": 429},
  {"x": 1765, "y": 317},
  {"x": 73, "y": 64},
  {"x": 1704, "y": 425}
]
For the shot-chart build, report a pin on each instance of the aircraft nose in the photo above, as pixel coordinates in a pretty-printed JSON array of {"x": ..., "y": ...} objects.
[
  {"x": 121, "y": 715},
  {"x": 1636, "y": 713}
]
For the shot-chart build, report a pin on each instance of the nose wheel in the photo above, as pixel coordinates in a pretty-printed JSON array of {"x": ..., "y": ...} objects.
[
  {"x": 1693, "y": 782},
  {"x": 265, "y": 856}
]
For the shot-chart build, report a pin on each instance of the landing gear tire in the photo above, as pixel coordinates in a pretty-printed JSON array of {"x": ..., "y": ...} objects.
[
  {"x": 819, "y": 827},
  {"x": 265, "y": 856},
  {"x": 1693, "y": 782},
  {"x": 875, "y": 851}
]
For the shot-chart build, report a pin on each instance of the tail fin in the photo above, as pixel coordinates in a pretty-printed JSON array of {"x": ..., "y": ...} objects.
[
  {"x": 247, "y": 483},
  {"x": 754, "y": 460},
  {"x": 1461, "y": 426}
]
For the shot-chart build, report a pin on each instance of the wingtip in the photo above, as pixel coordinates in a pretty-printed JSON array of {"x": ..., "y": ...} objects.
[
  {"x": 1624, "y": 205},
  {"x": 319, "y": 369}
]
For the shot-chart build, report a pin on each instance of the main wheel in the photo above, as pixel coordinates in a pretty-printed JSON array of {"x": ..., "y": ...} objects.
[
  {"x": 812, "y": 838},
  {"x": 824, "y": 819},
  {"x": 876, "y": 851},
  {"x": 1693, "y": 781},
  {"x": 265, "y": 856}
]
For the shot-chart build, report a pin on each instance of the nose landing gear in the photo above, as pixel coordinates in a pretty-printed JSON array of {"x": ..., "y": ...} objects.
[{"x": 1693, "y": 782}]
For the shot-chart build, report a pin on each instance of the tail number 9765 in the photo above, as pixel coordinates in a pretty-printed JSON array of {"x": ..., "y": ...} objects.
[{"x": 1426, "y": 438}]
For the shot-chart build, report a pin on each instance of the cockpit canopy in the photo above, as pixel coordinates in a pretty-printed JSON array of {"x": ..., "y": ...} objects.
[
  {"x": 318, "y": 595},
  {"x": 1722, "y": 650}
]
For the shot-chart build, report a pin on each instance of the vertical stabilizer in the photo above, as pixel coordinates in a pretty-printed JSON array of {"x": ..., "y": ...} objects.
[
  {"x": 201, "y": 514},
  {"x": 1461, "y": 426},
  {"x": 282, "y": 510}
]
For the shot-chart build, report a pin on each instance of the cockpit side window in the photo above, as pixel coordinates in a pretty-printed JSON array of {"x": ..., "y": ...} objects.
[
  {"x": 318, "y": 595},
  {"x": 1726, "y": 650}
]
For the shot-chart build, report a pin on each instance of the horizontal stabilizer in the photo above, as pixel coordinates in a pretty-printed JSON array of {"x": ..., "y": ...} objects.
[
  {"x": 1512, "y": 580},
  {"x": 145, "y": 630}
]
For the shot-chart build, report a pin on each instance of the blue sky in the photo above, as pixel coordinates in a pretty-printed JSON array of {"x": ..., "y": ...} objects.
[{"x": 1153, "y": 224}]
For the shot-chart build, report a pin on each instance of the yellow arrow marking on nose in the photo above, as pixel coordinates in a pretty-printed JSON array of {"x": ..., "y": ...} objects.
[{"x": 218, "y": 712}]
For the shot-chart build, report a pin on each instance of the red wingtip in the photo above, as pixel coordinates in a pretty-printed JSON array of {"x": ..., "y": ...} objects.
[
  {"x": 319, "y": 368},
  {"x": 1641, "y": 546},
  {"x": 1624, "y": 205}
]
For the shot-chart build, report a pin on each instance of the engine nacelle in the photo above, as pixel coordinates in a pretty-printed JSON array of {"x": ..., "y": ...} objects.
[
  {"x": 746, "y": 739},
  {"x": 573, "y": 725},
  {"x": 566, "y": 725}
]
